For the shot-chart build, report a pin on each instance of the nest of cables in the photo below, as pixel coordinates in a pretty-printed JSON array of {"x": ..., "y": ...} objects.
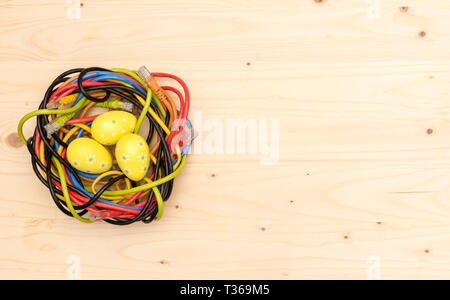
[{"x": 96, "y": 153}]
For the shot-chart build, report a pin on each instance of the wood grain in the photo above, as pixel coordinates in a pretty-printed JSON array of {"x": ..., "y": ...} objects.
[{"x": 364, "y": 167}]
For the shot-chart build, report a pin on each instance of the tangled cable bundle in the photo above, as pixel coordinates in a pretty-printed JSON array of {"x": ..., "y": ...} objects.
[{"x": 72, "y": 144}]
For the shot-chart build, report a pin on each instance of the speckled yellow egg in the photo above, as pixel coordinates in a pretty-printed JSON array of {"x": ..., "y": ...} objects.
[
  {"x": 133, "y": 156},
  {"x": 87, "y": 155},
  {"x": 109, "y": 127}
]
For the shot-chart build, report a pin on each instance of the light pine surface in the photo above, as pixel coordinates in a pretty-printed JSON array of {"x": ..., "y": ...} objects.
[{"x": 364, "y": 142}]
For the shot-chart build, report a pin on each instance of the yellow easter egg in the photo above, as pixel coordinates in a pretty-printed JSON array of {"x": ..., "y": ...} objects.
[
  {"x": 133, "y": 156},
  {"x": 87, "y": 155},
  {"x": 109, "y": 127}
]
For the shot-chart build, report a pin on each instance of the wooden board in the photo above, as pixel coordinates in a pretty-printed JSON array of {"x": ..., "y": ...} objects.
[{"x": 361, "y": 188}]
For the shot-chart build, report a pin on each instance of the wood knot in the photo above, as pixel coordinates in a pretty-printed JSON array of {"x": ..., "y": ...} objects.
[{"x": 13, "y": 140}]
